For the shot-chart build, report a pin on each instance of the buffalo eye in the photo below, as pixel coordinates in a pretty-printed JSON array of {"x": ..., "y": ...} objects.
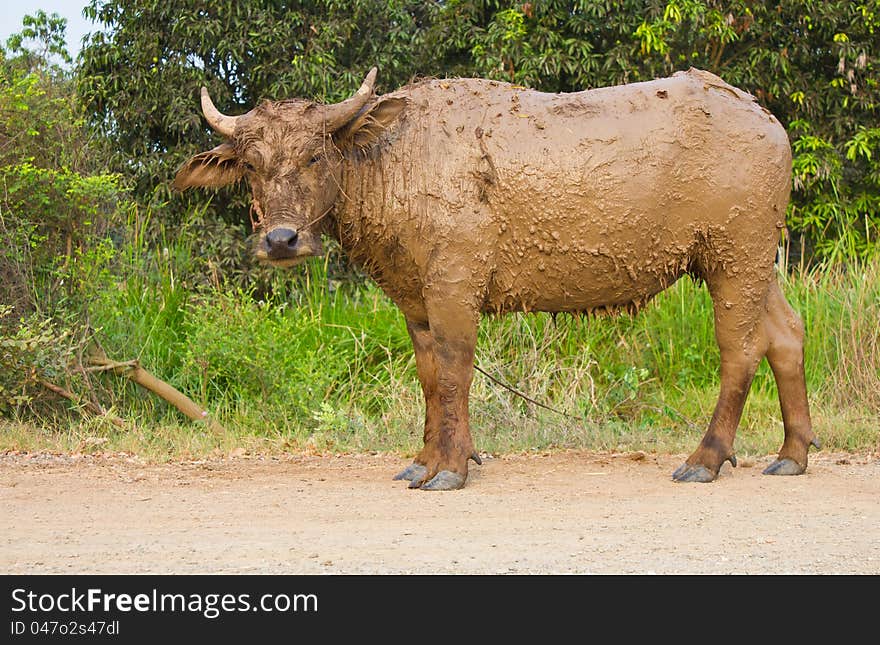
[
  {"x": 249, "y": 167},
  {"x": 314, "y": 160}
]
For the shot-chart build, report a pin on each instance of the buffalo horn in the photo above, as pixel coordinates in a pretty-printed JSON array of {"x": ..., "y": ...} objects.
[
  {"x": 338, "y": 114},
  {"x": 221, "y": 123}
]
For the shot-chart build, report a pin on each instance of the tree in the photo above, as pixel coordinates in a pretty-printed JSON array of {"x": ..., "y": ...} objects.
[
  {"x": 48, "y": 33},
  {"x": 54, "y": 198},
  {"x": 40, "y": 119},
  {"x": 812, "y": 63}
]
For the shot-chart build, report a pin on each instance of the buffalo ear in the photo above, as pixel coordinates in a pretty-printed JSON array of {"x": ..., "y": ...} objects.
[
  {"x": 366, "y": 128},
  {"x": 211, "y": 169}
]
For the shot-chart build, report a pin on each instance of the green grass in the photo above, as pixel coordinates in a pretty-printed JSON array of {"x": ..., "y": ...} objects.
[{"x": 315, "y": 369}]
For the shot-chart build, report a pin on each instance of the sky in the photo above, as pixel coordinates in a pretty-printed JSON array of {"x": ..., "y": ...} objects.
[{"x": 12, "y": 11}]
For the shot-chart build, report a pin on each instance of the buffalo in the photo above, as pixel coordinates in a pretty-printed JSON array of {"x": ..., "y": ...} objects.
[{"x": 462, "y": 197}]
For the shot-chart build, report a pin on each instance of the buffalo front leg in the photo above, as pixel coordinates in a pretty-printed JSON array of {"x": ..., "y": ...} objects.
[
  {"x": 426, "y": 366},
  {"x": 444, "y": 359}
]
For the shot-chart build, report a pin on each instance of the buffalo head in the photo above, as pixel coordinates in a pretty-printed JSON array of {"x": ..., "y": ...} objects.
[{"x": 292, "y": 154}]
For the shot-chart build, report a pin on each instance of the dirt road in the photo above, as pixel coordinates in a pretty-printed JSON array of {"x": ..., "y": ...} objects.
[{"x": 558, "y": 513}]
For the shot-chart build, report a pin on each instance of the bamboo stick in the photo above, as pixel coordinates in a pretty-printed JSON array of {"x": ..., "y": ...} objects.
[{"x": 133, "y": 370}]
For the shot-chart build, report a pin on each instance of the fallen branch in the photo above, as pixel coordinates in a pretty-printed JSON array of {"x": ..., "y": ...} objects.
[
  {"x": 99, "y": 362},
  {"x": 94, "y": 408}
]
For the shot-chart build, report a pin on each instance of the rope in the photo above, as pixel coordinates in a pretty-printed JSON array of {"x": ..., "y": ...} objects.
[{"x": 523, "y": 396}]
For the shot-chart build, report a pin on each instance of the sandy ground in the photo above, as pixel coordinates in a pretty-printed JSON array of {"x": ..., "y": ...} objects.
[{"x": 557, "y": 513}]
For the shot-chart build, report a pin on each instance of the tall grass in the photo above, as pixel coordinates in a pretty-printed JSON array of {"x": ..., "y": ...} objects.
[
  {"x": 328, "y": 368},
  {"x": 651, "y": 381}
]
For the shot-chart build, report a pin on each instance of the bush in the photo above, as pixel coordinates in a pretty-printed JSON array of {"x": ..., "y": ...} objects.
[
  {"x": 56, "y": 220},
  {"x": 53, "y": 230}
]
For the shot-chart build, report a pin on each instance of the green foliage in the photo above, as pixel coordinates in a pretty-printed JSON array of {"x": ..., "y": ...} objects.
[
  {"x": 55, "y": 218},
  {"x": 837, "y": 191},
  {"x": 53, "y": 207},
  {"x": 40, "y": 119},
  {"x": 52, "y": 228},
  {"x": 333, "y": 349},
  {"x": 24, "y": 349}
]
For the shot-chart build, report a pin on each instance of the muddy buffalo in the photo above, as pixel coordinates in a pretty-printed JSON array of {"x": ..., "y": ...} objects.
[{"x": 466, "y": 196}]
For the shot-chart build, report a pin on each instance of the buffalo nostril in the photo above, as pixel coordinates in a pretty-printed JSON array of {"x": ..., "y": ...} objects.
[
  {"x": 280, "y": 244},
  {"x": 280, "y": 238}
]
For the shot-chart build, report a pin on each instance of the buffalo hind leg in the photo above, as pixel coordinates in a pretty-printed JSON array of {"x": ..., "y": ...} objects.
[
  {"x": 775, "y": 331},
  {"x": 742, "y": 342},
  {"x": 737, "y": 370},
  {"x": 444, "y": 350},
  {"x": 785, "y": 353}
]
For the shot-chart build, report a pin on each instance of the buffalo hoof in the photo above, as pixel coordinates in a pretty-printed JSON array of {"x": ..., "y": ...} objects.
[
  {"x": 444, "y": 480},
  {"x": 784, "y": 467},
  {"x": 696, "y": 473},
  {"x": 413, "y": 472}
]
